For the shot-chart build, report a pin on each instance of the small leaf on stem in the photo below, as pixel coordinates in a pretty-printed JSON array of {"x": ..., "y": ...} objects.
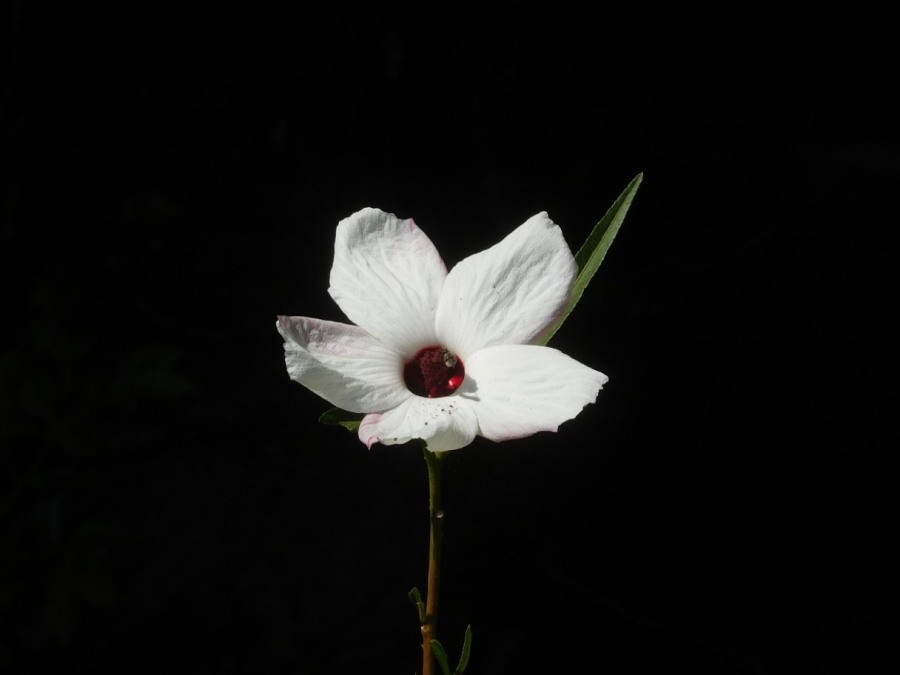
[
  {"x": 466, "y": 651},
  {"x": 344, "y": 418},
  {"x": 441, "y": 656},
  {"x": 416, "y": 598}
]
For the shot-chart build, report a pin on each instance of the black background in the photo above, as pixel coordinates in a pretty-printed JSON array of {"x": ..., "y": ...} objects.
[{"x": 171, "y": 182}]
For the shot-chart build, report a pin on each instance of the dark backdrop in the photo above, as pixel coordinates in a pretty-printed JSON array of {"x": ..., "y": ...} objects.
[{"x": 171, "y": 181}]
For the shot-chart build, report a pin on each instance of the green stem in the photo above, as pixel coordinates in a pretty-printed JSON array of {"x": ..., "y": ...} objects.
[{"x": 429, "y": 626}]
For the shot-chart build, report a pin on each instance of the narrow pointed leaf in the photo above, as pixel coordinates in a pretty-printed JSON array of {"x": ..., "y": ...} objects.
[
  {"x": 466, "y": 651},
  {"x": 344, "y": 418},
  {"x": 441, "y": 656},
  {"x": 594, "y": 249},
  {"x": 416, "y": 599}
]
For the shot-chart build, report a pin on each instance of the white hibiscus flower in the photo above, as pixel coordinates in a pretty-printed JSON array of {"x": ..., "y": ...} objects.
[{"x": 442, "y": 356}]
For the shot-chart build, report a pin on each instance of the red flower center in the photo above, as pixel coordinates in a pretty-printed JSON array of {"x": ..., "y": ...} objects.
[{"x": 434, "y": 372}]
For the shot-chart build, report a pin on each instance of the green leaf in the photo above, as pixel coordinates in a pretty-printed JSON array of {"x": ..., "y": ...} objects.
[
  {"x": 344, "y": 418},
  {"x": 594, "y": 249},
  {"x": 416, "y": 599},
  {"x": 466, "y": 651},
  {"x": 441, "y": 656}
]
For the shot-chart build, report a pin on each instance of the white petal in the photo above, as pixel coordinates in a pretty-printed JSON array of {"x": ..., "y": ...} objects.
[
  {"x": 387, "y": 278},
  {"x": 509, "y": 294},
  {"x": 445, "y": 423},
  {"x": 518, "y": 390},
  {"x": 343, "y": 364}
]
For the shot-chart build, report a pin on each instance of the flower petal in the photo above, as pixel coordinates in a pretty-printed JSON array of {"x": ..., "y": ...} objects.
[
  {"x": 518, "y": 390},
  {"x": 387, "y": 278},
  {"x": 343, "y": 364},
  {"x": 445, "y": 423},
  {"x": 368, "y": 429},
  {"x": 509, "y": 294}
]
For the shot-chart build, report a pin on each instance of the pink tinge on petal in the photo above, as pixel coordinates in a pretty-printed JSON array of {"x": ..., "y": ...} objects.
[{"x": 368, "y": 429}]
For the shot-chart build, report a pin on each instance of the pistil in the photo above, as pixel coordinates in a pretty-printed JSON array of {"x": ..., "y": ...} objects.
[{"x": 434, "y": 372}]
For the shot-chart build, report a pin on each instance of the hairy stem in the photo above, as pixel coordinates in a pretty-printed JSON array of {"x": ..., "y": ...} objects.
[{"x": 429, "y": 626}]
